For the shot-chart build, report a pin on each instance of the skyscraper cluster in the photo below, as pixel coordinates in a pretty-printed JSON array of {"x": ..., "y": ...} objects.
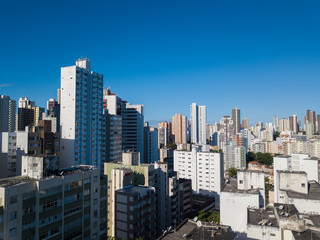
[{"x": 90, "y": 167}]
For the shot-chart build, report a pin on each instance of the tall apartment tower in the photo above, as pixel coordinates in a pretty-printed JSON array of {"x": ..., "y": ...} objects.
[
  {"x": 7, "y": 114},
  {"x": 179, "y": 126},
  {"x": 276, "y": 123},
  {"x": 28, "y": 114},
  {"x": 236, "y": 119},
  {"x": 168, "y": 126},
  {"x": 245, "y": 123},
  {"x": 293, "y": 123},
  {"x": 311, "y": 118},
  {"x": 53, "y": 110},
  {"x": 112, "y": 127},
  {"x": 198, "y": 123},
  {"x": 81, "y": 115},
  {"x": 133, "y": 128}
]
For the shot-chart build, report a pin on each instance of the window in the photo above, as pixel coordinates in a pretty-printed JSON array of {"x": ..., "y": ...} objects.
[
  {"x": 12, "y": 232},
  {"x": 13, "y": 199},
  {"x": 272, "y": 235},
  {"x": 303, "y": 184},
  {"x": 13, "y": 215},
  {"x": 240, "y": 181}
]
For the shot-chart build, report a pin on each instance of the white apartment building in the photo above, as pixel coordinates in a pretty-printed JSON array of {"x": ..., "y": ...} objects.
[
  {"x": 248, "y": 190},
  {"x": 81, "y": 115},
  {"x": 14, "y": 145},
  {"x": 198, "y": 123},
  {"x": 205, "y": 169}
]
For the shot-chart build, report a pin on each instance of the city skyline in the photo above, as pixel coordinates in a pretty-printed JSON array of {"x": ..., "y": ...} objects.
[{"x": 173, "y": 46}]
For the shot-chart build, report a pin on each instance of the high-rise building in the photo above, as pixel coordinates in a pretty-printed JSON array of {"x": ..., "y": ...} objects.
[
  {"x": 293, "y": 123},
  {"x": 118, "y": 179},
  {"x": 81, "y": 115},
  {"x": 311, "y": 117},
  {"x": 28, "y": 114},
  {"x": 245, "y": 123},
  {"x": 205, "y": 169},
  {"x": 168, "y": 126},
  {"x": 198, "y": 124},
  {"x": 318, "y": 123},
  {"x": 53, "y": 110},
  {"x": 7, "y": 114},
  {"x": 112, "y": 127},
  {"x": 133, "y": 128},
  {"x": 236, "y": 119},
  {"x": 151, "y": 151},
  {"x": 179, "y": 127},
  {"x": 140, "y": 220},
  {"x": 276, "y": 123},
  {"x": 234, "y": 157},
  {"x": 70, "y": 204}
]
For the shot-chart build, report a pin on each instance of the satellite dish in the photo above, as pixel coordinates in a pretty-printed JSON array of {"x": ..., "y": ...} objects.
[{"x": 199, "y": 224}]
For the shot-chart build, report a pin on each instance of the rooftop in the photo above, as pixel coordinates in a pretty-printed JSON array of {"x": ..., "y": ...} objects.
[
  {"x": 286, "y": 210},
  {"x": 192, "y": 231},
  {"x": 262, "y": 217},
  {"x": 232, "y": 186},
  {"x": 12, "y": 181},
  {"x": 309, "y": 234},
  {"x": 314, "y": 192}
]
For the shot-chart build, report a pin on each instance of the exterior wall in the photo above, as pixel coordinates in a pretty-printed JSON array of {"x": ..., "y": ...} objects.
[
  {"x": 263, "y": 232},
  {"x": 293, "y": 181},
  {"x": 279, "y": 163},
  {"x": 112, "y": 137},
  {"x": 234, "y": 157},
  {"x": 307, "y": 206},
  {"x": 233, "y": 209},
  {"x": 59, "y": 207},
  {"x": 205, "y": 170},
  {"x": 133, "y": 128},
  {"x": 81, "y": 115},
  {"x": 7, "y": 114},
  {"x": 134, "y": 213}
]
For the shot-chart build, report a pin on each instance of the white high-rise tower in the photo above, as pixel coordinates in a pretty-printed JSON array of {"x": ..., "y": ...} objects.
[
  {"x": 81, "y": 115},
  {"x": 198, "y": 123}
]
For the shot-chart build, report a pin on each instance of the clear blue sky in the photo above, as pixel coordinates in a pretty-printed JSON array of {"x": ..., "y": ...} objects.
[{"x": 260, "y": 56}]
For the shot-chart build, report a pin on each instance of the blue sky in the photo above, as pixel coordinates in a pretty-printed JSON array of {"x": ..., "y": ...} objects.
[{"x": 260, "y": 56}]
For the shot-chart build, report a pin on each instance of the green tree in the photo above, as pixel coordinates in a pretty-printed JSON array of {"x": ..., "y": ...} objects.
[
  {"x": 172, "y": 145},
  {"x": 232, "y": 172},
  {"x": 214, "y": 216},
  {"x": 202, "y": 215},
  {"x": 268, "y": 187}
]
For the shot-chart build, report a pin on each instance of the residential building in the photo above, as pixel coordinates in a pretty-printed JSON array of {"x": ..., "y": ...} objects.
[
  {"x": 234, "y": 157},
  {"x": 135, "y": 213},
  {"x": 112, "y": 137},
  {"x": 28, "y": 114},
  {"x": 236, "y": 120},
  {"x": 248, "y": 190},
  {"x": 179, "y": 128},
  {"x": 133, "y": 128},
  {"x": 205, "y": 169},
  {"x": 198, "y": 124},
  {"x": 53, "y": 111},
  {"x": 118, "y": 179},
  {"x": 70, "y": 204},
  {"x": 7, "y": 114},
  {"x": 151, "y": 151},
  {"x": 81, "y": 115},
  {"x": 168, "y": 126}
]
